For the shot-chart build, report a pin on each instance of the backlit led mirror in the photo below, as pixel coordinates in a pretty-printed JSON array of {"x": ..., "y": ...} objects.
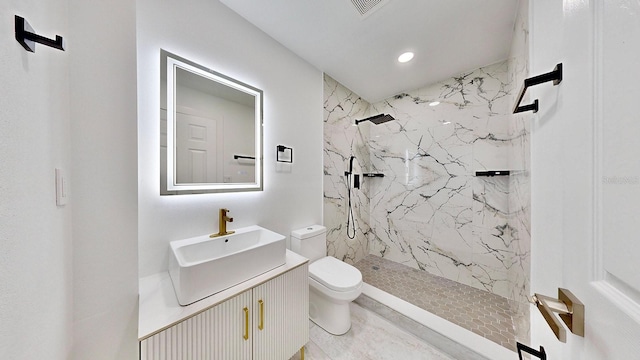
[{"x": 211, "y": 130}]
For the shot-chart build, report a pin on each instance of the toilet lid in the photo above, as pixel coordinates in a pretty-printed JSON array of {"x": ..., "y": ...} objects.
[{"x": 335, "y": 274}]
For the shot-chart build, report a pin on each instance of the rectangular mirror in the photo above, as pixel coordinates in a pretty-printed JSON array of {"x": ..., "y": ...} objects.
[{"x": 211, "y": 130}]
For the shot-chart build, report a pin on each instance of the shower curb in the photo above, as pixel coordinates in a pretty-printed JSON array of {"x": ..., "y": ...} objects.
[{"x": 384, "y": 305}]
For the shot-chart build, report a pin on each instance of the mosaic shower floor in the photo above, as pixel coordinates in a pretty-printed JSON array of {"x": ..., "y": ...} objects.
[{"x": 481, "y": 312}]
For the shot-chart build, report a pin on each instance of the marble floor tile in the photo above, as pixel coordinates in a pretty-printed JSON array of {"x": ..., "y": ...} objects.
[
  {"x": 312, "y": 351},
  {"x": 371, "y": 338},
  {"x": 430, "y": 336}
]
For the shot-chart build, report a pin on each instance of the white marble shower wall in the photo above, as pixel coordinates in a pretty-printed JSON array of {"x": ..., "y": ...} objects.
[
  {"x": 429, "y": 211},
  {"x": 520, "y": 162},
  {"x": 341, "y": 141}
]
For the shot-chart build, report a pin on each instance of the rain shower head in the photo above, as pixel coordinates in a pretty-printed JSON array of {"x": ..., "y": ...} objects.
[{"x": 377, "y": 119}]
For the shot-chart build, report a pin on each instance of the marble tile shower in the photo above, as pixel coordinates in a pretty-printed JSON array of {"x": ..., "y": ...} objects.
[{"x": 429, "y": 211}]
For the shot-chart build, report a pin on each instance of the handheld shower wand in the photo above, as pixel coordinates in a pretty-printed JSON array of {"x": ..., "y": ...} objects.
[
  {"x": 350, "y": 219},
  {"x": 347, "y": 173}
]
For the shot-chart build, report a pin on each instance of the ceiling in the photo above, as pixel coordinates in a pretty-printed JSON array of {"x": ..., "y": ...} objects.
[
  {"x": 448, "y": 37},
  {"x": 207, "y": 85}
]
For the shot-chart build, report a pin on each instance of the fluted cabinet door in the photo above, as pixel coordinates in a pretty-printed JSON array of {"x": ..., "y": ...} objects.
[
  {"x": 221, "y": 332},
  {"x": 281, "y": 315}
]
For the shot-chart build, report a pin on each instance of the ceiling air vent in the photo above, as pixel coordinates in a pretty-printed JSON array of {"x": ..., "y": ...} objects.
[{"x": 368, "y": 7}]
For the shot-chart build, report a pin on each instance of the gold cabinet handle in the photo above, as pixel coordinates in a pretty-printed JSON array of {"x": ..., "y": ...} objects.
[
  {"x": 261, "y": 324},
  {"x": 246, "y": 323}
]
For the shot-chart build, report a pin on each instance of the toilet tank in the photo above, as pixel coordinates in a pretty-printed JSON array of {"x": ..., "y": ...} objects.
[{"x": 310, "y": 242}]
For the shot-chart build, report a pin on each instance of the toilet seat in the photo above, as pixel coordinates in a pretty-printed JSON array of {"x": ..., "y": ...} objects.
[{"x": 335, "y": 274}]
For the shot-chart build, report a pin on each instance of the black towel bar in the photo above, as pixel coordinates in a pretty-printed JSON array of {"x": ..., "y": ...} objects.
[
  {"x": 540, "y": 354},
  {"x": 555, "y": 76}
]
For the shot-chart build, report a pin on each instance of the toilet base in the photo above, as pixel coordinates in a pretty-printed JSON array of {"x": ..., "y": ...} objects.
[{"x": 334, "y": 316}]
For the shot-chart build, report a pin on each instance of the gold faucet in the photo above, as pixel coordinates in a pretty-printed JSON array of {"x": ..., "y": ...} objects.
[{"x": 222, "y": 224}]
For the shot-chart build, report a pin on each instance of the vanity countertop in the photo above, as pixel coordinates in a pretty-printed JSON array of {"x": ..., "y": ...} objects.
[{"x": 159, "y": 308}]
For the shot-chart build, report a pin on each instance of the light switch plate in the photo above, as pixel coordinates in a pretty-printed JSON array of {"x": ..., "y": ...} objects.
[{"x": 61, "y": 188}]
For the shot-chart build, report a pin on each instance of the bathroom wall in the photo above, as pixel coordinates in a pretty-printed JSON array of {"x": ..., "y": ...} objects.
[
  {"x": 104, "y": 189},
  {"x": 429, "y": 211},
  {"x": 520, "y": 161},
  {"x": 341, "y": 141},
  {"x": 36, "y": 279},
  {"x": 68, "y": 274},
  {"x": 292, "y": 196},
  {"x": 520, "y": 179}
]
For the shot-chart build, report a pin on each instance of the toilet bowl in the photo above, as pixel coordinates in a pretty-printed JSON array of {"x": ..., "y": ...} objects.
[{"x": 333, "y": 284}]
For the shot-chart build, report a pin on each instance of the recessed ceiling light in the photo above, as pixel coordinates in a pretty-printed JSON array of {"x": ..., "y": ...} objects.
[
  {"x": 405, "y": 57},
  {"x": 434, "y": 103}
]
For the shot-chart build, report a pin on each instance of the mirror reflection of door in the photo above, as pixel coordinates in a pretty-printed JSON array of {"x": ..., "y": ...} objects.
[
  {"x": 198, "y": 149},
  {"x": 213, "y": 122},
  {"x": 210, "y": 130}
]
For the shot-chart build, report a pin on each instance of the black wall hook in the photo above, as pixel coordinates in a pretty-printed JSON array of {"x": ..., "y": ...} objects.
[{"x": 28, "y": 39}]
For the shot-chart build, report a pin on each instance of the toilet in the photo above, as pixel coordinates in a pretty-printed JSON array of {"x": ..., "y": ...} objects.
[{"x": 333, "y": 284}]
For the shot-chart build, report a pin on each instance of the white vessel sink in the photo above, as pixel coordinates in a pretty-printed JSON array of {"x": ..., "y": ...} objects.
[{"x": 202, "y": 266}]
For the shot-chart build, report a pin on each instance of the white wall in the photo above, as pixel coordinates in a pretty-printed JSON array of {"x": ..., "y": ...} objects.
[
  {"x": 68, "y": 275},
  {"x": 104, "y": 168},
  {"x": 35, "y": 235},
  {"x": 210, "y": 34}
]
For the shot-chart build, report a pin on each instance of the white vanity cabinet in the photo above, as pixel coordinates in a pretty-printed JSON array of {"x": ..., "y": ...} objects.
[
  {"x": 216, "y": 333},
  {"x": 281, "y": 315},
  {"x": 268, "y": 321}
]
